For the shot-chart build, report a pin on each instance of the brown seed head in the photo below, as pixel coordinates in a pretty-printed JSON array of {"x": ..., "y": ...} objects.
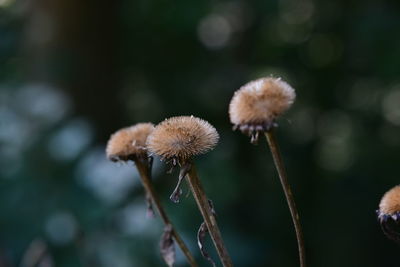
[
  {"x": 129, "y": 143},
  {"x": 258, "y": 103},
  {"x": 390, "y": 203},
  {"x": 389, "y": 214},
  {"x": 180, "y": 138}
]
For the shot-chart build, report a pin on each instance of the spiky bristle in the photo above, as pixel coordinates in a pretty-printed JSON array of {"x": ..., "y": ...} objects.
[
  {"x": 180, "y": 138},
  {"x": 129, "y": 142}
]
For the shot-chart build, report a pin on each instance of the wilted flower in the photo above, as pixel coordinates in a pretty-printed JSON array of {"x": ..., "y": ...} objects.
[
  {"x": 389, "y": 213},
  {"x": 129, "y": 143},
  {"x": 257, "y": 104},
  {"x": 178, "y": 139}
]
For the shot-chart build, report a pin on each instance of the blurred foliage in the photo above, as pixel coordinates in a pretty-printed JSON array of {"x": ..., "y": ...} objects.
[{"x": 72, "y": 72}]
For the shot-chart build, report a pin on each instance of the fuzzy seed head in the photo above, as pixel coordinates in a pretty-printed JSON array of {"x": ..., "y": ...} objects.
[
  {"x": 180, "y": 138},
  {"x": 259, "y": 102},
  {"x": 390, "y": 203},
  {"x": 129, "y": 143}
]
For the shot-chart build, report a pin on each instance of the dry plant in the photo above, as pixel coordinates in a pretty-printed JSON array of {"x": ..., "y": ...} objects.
[
  {"x": 37, "y": 254},
  {"x": 177, "y": 140},
  {"x": 389, "y": 214},
  {"x": 130, "y": 144},
  {"x": 253, "y": 110}
]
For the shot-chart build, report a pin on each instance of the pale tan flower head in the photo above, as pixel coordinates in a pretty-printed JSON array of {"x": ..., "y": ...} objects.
[
  {"x": 257, "y": 104},
  {"x": 390, "y": 203},
  {"x": 129, "y": 143},
  {"x": 180, "y": 138},
  {"x": 389, "y": 214}
]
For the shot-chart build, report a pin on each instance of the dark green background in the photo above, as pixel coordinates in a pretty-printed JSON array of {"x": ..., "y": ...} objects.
[{"x": 72, "y": 72}]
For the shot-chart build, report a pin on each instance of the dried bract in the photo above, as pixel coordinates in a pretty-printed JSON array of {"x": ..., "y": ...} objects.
[
  {"x": 129, "y": 143},
  {"x": 179, "y": 138},
  {"x": 257, "y": 104}
]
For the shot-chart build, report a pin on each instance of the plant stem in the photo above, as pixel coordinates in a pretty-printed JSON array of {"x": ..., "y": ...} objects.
[
  {"x": 145, "y": 175},
  {"x": 207, "y": 213},
  {"x": 273, "y": 144}
]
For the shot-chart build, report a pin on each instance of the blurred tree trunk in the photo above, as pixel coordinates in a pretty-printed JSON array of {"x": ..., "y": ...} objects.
[{"x": 73, "y": 44}]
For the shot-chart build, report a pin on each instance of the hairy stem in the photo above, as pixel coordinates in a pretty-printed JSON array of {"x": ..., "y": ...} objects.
[
  {"x": 144, "y": 171},
  {"x": 273, "y": 144},
  {"x": 209, "y": 218}
]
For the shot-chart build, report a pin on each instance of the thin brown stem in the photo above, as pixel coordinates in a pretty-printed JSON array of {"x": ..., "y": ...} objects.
[
  {"x": 145, "y": 175},
  {"x": 273, "y": 144},
  {"x": 209, "y": 218}
]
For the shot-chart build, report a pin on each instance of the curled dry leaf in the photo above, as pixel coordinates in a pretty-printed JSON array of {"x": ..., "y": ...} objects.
[
  {"x": 175, "y": 196},
  {"x": 201, "y": 236},
  {"x": 167, "y": 247}
]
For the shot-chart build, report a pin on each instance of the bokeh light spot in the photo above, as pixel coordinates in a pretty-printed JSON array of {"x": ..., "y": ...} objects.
[
  {"x": 335, "y": 150},
  {"x": 71, "y": 140},
  {"x": 296, "y": 12},
  {"x": 214, "y": 31},
  {"x": 61, "y": 228},
  {"x": 391, "y": 106},
  {"x": 109, "y": 181},
  {"x": 42, "y": 102},
  {"x": 323, "y": 49},
  {"x": 6, "y": 3}
]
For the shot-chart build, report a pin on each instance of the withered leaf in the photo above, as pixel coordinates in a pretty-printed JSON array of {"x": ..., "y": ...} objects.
[
  {"x": 201, "y": 235},
  {"x": 175, "y": 196},
  {"x": 167, "y": 247}
]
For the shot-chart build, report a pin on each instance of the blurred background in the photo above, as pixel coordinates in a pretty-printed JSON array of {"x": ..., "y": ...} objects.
[{"x": 73, "y": 72}]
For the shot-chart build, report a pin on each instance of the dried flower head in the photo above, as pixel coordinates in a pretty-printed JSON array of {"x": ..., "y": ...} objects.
[
  {"x": 390, "y": 203},
  {"x": 179, "y": 138},
  {"x": 129, "y": 143},
  {"x": 257, "y": 104},
  {"x": 389, "y": 213}
]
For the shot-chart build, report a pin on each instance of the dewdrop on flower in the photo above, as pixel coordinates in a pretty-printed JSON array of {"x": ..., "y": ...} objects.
[
  {"x": 389, "y": 213},
  {"x": 256, "y": 105},
  {"x": 129, "y": 143},
  {"x": 178, "y": 139}
]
